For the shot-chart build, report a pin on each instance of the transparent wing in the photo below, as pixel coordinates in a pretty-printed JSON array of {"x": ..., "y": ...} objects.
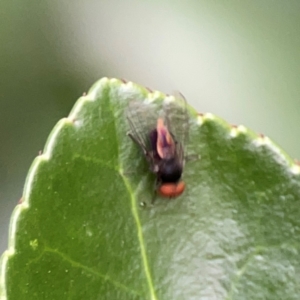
[
  {"x": 142, "y": 119},
  {"x": 177, "y": 119}
]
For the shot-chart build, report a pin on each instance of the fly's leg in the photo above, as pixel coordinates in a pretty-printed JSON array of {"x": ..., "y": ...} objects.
[
  {"x": 154, "y": 195},
  {"x": 128, "y": 173},
  {"x": 135, "y": 140},
  {"x": 192, "y": 157},
  {"x": 154, "y": 168},
  {"x": 148, "y": 154}
]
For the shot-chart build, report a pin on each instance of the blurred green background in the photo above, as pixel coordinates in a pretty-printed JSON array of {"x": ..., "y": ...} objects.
[{"x": 237, "y": 59}]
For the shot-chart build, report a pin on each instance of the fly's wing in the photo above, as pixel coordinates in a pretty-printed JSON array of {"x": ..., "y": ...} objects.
[
  {"x": 142, "y": 120},
  {"x": 177, "y": 120}
]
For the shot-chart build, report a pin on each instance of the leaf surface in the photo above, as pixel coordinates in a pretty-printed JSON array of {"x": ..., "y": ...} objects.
[{"x": 86, "y": 228}]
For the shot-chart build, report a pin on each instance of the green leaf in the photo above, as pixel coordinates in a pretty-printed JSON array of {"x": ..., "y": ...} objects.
[{"x": 86, "y": 230}]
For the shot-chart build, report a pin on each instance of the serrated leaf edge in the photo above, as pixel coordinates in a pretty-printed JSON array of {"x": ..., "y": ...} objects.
[{"x": 233, "y": 131}]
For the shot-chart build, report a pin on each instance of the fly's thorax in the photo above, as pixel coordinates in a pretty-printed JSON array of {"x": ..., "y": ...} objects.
[
  {"x": 170, "y": 170},
  {"x": 153, "y": 139},
  {"x": 165, "y": 145}
]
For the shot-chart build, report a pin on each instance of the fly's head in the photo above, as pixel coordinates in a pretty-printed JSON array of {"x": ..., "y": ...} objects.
[
  {"x": 170, "y": 170},
  {"x": 165, "y": 143},
  {"x": 169, "y": 177}
]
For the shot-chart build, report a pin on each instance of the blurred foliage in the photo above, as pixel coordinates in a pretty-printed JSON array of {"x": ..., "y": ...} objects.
[{"x": 37, "y": 89}]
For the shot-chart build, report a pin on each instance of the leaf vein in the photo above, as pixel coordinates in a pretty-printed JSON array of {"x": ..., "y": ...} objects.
[
  {"x": 87, "y": 269},
  {"x": 141, "y": 240}
]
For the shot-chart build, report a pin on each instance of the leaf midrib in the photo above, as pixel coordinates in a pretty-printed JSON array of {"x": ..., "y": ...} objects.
[{"x": 135, "y": 214}]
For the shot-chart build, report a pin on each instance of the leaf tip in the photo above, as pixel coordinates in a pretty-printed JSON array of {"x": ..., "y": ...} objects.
[
  {"x": 199, "y": 119},
  {"x": 279, "y": 155},
  {"x": 155, "y": 95},
  {"x": 208, "y": 116},
  {"x": 261, "y": 140},
  {"x": 295, "y": 168},
  {"x": 170, "y": 98},
  {"x": 96, "y": 89},
  {"x": 237, "y": 130}
]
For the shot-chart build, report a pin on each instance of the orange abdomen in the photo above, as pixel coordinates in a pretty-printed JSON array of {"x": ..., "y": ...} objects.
[{"x": 171, "y": 190}]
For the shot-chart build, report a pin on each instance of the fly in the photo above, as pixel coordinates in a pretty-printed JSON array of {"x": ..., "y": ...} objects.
[{"x": 162, "y": 140}]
